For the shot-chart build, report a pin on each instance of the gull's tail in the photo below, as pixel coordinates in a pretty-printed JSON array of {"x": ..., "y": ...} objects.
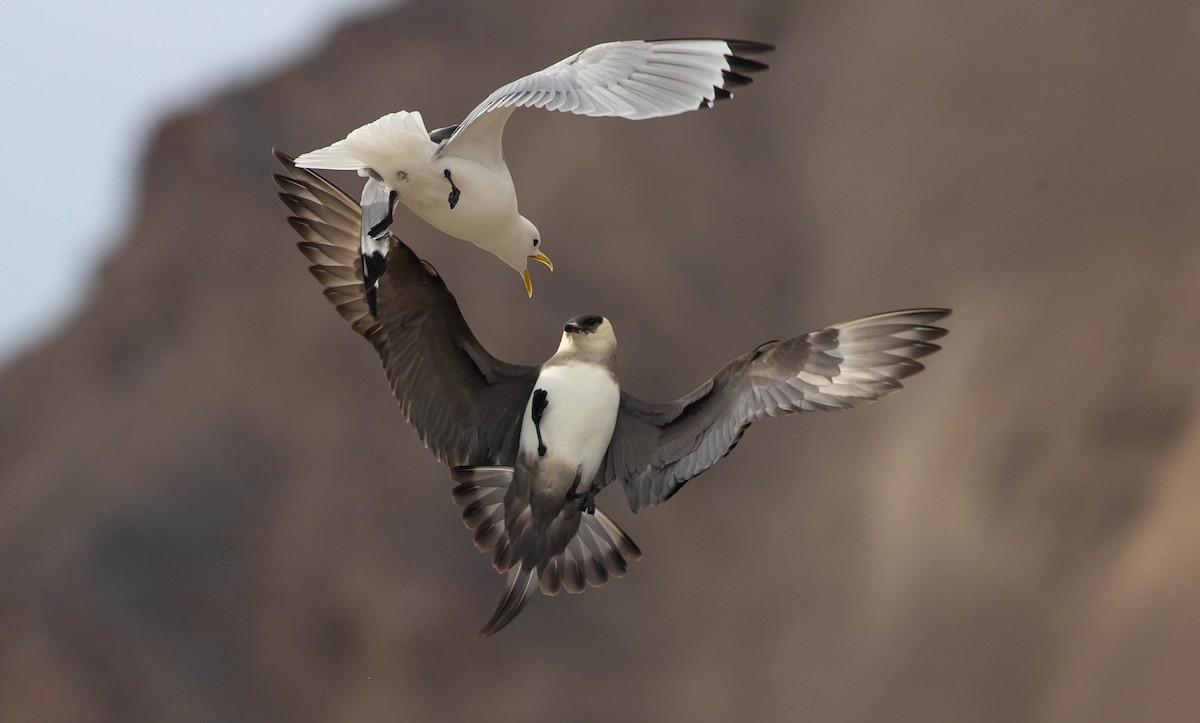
[
  {"x": 384, "y": 145},
  {"x": 599, "y": 550}
]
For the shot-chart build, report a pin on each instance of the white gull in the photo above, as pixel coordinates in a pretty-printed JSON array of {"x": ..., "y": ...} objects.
[{"x": 455, "y": 178}]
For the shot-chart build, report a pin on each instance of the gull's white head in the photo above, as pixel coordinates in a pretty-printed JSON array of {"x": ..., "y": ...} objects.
[
  {"x": 521, "y": 243},
  {"x": 589, "y": 335}
]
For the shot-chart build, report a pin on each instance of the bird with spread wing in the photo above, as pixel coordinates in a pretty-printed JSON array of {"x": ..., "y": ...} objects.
[
  {"x": 456, "y": 179},
  {"x": 531, "y": 446}
]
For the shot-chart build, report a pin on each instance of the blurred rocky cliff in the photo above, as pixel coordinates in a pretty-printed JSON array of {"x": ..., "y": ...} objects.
[{"x": 210, "y": 508}]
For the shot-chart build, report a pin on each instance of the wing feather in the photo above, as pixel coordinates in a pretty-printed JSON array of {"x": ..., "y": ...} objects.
[
  {"x": 465, "y": 404},
  {"x": 657, "y": 448},
  {"x": 611, "y": 79}
]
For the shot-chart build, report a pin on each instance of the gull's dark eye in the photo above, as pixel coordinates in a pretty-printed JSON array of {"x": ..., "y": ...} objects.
[{"x": 536, "y": 242}]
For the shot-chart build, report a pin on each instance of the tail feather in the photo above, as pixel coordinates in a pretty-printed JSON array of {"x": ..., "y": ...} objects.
[
  {"x": 491, "y": 529},
  {"x": 339, "y": 156},
  {"x": 599, "y": 551},
  {"x": 551, "y": 576},
  {"x": 517, "y": 592},
  {"x": 399, "y": 135},
  {"x": 606, "y": 556},
  {"x": 594, "y": 571},
  {"x": 502, "y": 557},
  {"x": 574, "y": 577},
  {"x": 617, "y": 537},
  {"x": 608, "y": 546},
  {"x": 480, "y": 492}
]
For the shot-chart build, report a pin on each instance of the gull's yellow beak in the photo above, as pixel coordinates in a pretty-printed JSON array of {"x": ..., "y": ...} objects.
[{"x": 539, "y": 256}]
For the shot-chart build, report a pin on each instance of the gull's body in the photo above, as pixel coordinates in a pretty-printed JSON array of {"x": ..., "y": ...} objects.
[
  {"x": 456, "y": 178},
  {"x": 531, "y": 446},
  {"x": 396, "y": 152}
]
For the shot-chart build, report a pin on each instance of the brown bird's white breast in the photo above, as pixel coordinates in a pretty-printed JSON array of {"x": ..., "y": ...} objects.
[{"x": 581, "y": 412}]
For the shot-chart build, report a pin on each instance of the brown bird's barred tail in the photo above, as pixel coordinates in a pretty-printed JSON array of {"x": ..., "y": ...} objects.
[{"x": 599, "y": 551}]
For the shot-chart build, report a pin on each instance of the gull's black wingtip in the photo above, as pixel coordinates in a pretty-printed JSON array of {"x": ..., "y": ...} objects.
[
  {"x": 736, "y": 46},
  {"x": 748, "y": 47},
  {"x": 373, "y": 266},
  {"x": 738, "y": 73}
]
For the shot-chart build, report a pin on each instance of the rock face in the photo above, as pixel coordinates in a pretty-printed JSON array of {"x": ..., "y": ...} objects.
[{"x": 210, "y": 509}]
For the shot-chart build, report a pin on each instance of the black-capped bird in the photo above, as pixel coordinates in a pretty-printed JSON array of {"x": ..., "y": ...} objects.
[
  {"x": 455, "y": 178},
  {"x": 531, "y": 446}
]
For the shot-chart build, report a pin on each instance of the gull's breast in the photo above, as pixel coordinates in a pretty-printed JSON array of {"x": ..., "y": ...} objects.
[{"x": 487, "y": 200}]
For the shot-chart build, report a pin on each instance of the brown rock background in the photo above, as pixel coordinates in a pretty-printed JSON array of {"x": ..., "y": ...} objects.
[{"x": 211, "y": 510}]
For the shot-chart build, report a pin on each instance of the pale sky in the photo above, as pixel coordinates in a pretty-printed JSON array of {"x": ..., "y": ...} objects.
[{"x": 83, "y": 81}]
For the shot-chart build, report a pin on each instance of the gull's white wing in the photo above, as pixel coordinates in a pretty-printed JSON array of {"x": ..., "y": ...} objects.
[
  {"x": 657, "y": 448},
  {"x": 632, "y": 79}
]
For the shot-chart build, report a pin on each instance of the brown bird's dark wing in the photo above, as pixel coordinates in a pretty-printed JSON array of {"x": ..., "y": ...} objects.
[
  {"x": 657, "y": 448},
  {"x": 465, "y": 404}
]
